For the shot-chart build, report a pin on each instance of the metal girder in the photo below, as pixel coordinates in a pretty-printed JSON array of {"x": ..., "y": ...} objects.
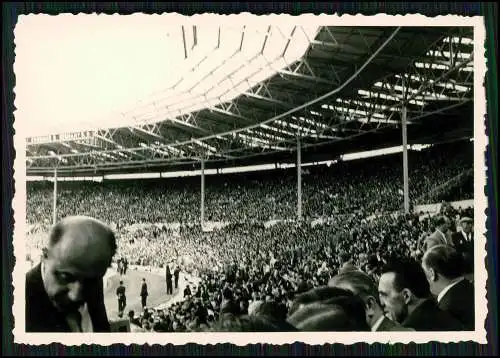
[
  {"x": 302, "y": 70},
  {"x": 262, "y": 92},
  {"x": 152, "y": 130},
  {"x": 231, "y": 110},
  {"x": 333, "y": 42}
]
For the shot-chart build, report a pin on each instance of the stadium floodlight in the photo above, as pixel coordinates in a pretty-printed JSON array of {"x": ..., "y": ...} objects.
[
  {"x": 415, "y": 78},
  {"x": 294, "y": 126},
  {"x": 434, "y": 66},
  {"x": 453, "y": 86},
  {"x": 461, "y": 55},
  {"x": 461, "y": 40},
  {"x": 362, "y": 103},
  {"x": 222, "y": 138},
  {"x": 175, "y": 150},
  {"x": 356, "y": 111},
  {"x": 311, "y": 122},
  {"x": 420, "y": 147},
  {"x": 373, "y": 94},
  {"x": 377, "y": 120},
  {"x": 267, "y": 135},
  {"x": 277, "y": 130},
  {"x": 206, "y": 146},
  {"x": 379, "y": 115}
]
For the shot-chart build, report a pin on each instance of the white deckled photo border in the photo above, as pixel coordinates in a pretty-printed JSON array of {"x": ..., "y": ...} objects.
[{"x": 480, "y": 207}]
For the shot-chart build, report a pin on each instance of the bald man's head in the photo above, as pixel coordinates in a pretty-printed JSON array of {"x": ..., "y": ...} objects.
[
  {"x": 79, "y": 253},
  {"x": 442, "y": 264},
  {"x": 82, "y": 228}
]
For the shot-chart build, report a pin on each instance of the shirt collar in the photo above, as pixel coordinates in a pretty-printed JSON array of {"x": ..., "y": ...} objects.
[
  {"x": 447, "y": 288},
  {"x": 42, "y": 270},
  {"x": 464, "y": 234},
  {"x": 378, "y": 323}
]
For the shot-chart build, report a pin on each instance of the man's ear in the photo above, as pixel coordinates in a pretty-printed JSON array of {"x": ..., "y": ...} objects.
[
  {"x": 45, "y": 253},
  {"x": 407, "y": 295},
  {"x": 370, "y": 305},
  {"x": 432, "y": 275}
]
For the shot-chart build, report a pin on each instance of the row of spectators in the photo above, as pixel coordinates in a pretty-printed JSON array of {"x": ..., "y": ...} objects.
[{"x": 263, "y": 196}]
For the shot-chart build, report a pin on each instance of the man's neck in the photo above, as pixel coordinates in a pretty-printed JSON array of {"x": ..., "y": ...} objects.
[
  {"x": 375, "y": 318},
  {"x": 444, "y": 284},
  {"x": 414, "y": 305}
]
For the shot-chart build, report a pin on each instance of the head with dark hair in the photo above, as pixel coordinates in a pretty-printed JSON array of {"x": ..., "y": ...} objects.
[
  {"x": 402, "y": 286},
  {"x": 362, "y": 285},
  {"x": 78, "y": 255},
  {"x": 272, "y": 310},
  {"x": 227, "y": 294},
  {"x": 442, "y": 223},
  {"x": 245, "y": 323},
  {"x": 442, "y": 265},
  {"x": 344, "y": 313},
  {"x": 318, "y": 294}
]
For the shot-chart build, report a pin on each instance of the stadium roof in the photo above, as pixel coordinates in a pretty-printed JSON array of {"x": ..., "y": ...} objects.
[{"x": 251, "y": 95}]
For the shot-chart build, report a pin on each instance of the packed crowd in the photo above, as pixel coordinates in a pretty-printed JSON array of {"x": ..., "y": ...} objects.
[
  {"x": 256, "y": 277},
  {"x": 260, "y": 196},
  {"x": 240, "y": 265}
]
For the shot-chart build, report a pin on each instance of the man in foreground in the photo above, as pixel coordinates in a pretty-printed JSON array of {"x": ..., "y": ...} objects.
[
  {"x": 362, "y": 285},
  {"x": 445, "y": 271},
  {"x": 406, "y": 297},
  {"x": 64, "y": 293}
]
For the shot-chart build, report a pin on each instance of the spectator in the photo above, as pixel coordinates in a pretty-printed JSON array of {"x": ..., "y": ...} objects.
[
  {"x": 444, "y": 269},
  {"x": 405, "y": 295},
  {"x": 362, "y": 284},
  {"x": 344, "y": 312},
  {"x": 144, "y": 293},
  {"x": 463, "y": 241}
]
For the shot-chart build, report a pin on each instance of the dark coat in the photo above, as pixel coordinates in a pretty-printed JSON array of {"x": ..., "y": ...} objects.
[
  {"x": 144, "y": 290},
  {"x": 42, "y": 316},
  {"x": 429, "y": 317},
  {"x": 459, "y": 302},
  {"x": 466, "y": 249},
  {"x": 388, "y": 325}
]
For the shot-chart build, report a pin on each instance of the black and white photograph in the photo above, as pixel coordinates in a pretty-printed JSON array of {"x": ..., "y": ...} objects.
[{"x": 249, "y": 179}]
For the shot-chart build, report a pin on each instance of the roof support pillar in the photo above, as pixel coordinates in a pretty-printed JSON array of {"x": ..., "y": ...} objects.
[
  {"x": 299, "y": 181},
  {"x": 406, "y": 190},
  {"x": 202, "y": 206},
  {"x": 54, "y": 198}
]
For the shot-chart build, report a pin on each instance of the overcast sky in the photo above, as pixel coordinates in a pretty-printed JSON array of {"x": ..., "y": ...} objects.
[{"x": 79, "y": 72}]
